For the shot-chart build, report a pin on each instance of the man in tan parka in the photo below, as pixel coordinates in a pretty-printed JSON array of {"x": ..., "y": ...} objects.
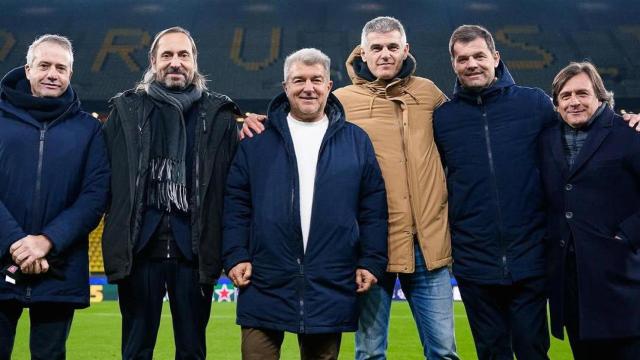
[{"x": 395, "y": 108}]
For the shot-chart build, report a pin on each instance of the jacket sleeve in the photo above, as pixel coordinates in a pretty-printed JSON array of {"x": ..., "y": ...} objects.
[
  {"x": 83, "y": 215},
  {"x": 630, "y": 227},
  {"x": 372, "y": 217},
  {"x": 110, "y": 130},
  {"x": 441, "y": 98},
  {"x": 233, "y": 132},
  {"x": 237, "y": 213},
  {"x": 436, "y": 133},
  {"x": 547, "y": 110},
  {"x": 10, "y": 230}
]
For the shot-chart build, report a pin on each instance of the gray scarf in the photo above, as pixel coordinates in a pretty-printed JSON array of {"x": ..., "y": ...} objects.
[{"x": 166, "y": 183}]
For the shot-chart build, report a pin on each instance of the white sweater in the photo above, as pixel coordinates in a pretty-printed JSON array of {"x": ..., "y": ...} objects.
[{"x": 307, "y": 137}]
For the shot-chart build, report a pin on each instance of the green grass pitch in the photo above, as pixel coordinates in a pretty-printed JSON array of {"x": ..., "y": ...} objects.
[{"x": 95, "y": 334}]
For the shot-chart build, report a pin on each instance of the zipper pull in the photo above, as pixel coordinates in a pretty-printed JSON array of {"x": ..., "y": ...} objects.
[{"x": 204, "y": 121}]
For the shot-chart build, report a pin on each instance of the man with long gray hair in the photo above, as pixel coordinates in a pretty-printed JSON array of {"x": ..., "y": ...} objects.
[
  {"x": 305, "y": 220},
  {"x": 170, "y": 143}
]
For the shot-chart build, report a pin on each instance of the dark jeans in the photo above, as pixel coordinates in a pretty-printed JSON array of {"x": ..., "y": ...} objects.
[
  {"x": 619, "y": 348},
  {"x": 507, "y": 319},
  {"x": 49, "y": 329},
  {"x": 263, "y": 344},
  {"x": 140, "y": 298}
]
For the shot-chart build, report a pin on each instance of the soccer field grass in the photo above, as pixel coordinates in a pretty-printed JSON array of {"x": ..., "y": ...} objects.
[{"x": 95, "y": 334}]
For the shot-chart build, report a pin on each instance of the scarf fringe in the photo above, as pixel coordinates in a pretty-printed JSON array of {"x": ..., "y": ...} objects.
[{"x": 167, "y": 187}]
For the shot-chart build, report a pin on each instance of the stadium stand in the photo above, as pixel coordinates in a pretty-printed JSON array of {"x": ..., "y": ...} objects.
[{"x": 243, "y": 43}]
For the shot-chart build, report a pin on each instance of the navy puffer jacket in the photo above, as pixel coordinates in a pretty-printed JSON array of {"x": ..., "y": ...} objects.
[
  {"x": 292, "y": 290},
  {"x": 54, "y": 179},
  {"x": 488, "y": 142}
]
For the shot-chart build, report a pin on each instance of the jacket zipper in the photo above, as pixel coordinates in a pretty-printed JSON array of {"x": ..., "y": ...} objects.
[
  {"x": 410, "y": 181},
  {"x": 140, "y": 131},
  {"x": 40, "y": 159},
  {"x": 168, "y": 220},
  {"x": 37, "y": 214},
  {"x": 494, "y": 182},
  {"x": 139, "y": 157},
  {"x": 300, "y": 259},
  {"x": 302, "y": 314},
  {"x": 36, "y": 197},
  {"x": 197, "y": 153},
  {"x": 328, "y": 134},
  {"x": 141, "y": 127}
]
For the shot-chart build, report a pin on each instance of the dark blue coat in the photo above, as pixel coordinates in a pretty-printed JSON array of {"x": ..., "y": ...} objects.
[
  {"x": 488, "y": 143},
  {"x": 593, "y": 202},
  {"x": 54, "y": 181},
  {"x": 315, "y": 291}
]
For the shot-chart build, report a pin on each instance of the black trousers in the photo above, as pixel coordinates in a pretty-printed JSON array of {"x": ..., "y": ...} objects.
[
  {"x": 49, "y": 328},
  {"x": 507, "y": 319},
  {"x": 141, "y": 296},
  {"x": 619, "y": 348}
]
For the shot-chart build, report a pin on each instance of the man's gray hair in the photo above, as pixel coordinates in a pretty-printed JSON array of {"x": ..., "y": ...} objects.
[
  {"x": 382, "y": 24},
  {"x": 308, "y": 56},
  {"x": 199, "y": 80},
  {"x": 64, "y": 42}
]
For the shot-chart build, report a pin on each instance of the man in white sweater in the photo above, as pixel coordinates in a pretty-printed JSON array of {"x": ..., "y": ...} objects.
[{"x": 305, "y": 222}]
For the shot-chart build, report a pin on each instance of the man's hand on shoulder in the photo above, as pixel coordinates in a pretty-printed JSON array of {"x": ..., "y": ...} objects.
[
  {"x": 240, "y": 274},
  {"x": 633, "y": 119},
  {"x": 365, "y": 280},
  {"x": 252, "y": 123},
  {"x": 30, "y": 249}
]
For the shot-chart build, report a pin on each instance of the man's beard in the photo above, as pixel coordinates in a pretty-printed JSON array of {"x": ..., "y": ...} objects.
[{"x": 175, "y": 84}]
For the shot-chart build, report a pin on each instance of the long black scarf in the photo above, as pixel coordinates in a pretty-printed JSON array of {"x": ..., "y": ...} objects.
[
  {"x": 17, "y": 91},
  {"x": 166, "y": 187}
]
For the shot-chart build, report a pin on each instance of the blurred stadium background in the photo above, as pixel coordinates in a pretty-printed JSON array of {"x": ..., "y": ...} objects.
[{"x": 243, "y": 44}]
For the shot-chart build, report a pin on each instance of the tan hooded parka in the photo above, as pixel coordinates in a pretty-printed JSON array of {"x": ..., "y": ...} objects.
[{"x": 398, "y": 118}]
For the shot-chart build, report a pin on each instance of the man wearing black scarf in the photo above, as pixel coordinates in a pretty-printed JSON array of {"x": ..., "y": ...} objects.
[
  {"x": 54, "y": 178},
  {"x": 170, "y": 143}
]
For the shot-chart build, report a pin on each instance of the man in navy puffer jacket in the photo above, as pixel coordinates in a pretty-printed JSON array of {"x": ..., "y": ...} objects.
[
  {"x": 305, "y": 221},
  {"x": 487, "y": 137},
  {"x": 54, "y": 178}
]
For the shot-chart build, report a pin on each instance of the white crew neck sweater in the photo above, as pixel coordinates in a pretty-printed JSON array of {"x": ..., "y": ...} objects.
[{"x": 307, "y": 138}]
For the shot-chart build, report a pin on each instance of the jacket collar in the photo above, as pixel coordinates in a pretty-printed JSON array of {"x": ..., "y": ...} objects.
[{"x": 504, "y": 81}]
